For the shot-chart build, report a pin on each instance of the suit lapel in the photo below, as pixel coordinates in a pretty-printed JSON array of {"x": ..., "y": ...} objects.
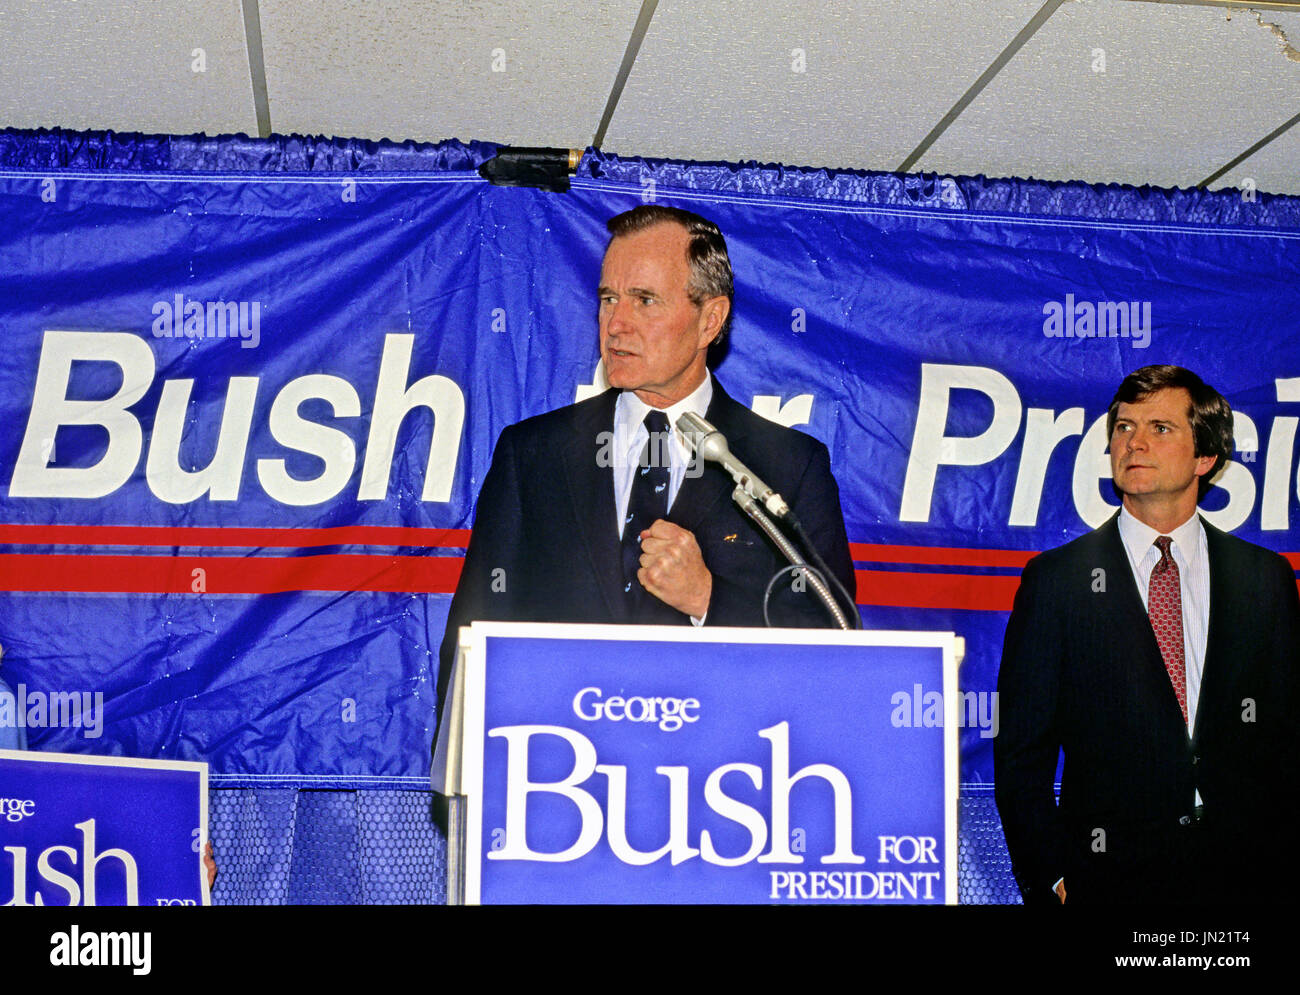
[
  {"x": 1114, "y": 561},
  {"x": 1228, "y": 605},
  {"x": 590, "y": 488},
  {"x": 701, "y": 492},
  {"x": 1133, "y": 616}
]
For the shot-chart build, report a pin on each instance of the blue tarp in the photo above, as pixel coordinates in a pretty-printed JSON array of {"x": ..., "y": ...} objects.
[{"x": 918, "y": 325}]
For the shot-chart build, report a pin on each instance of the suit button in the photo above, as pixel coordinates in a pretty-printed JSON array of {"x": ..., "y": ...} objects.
[
  {"x": 1184, "y": 820},
  {"x": 1196, "y": 759}
]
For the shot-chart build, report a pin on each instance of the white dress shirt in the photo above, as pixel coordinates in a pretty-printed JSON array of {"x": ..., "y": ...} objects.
[
  {"x": 1193, "y": 559},
  {"x": 631, "y": 435}
]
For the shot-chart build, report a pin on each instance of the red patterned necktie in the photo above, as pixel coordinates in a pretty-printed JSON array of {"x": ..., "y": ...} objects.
[{"x": 1165, "y": 607}]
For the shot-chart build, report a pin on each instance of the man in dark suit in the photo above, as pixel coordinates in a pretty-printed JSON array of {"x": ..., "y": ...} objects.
[
  {"x": 1162, "y": 657},
  {"x": 595, "y": 512}
]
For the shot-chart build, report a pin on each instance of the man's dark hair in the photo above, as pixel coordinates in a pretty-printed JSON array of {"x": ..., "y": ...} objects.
[
  {"x": 706, "y": 253},
  {"x": 1209, "y": 414}
]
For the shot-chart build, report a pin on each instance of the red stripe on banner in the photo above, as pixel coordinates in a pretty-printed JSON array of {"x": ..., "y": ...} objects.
[
  {"x": 166, "y": 535},
  {"x": 229, "y": 574},
  {"x": 972, "y": 592},
  {"x": 954, "y": 556},
  {"x": 143, "y": 574},
  {"x": 397, "y": 535},
  {"x": 413, "y": 574}
]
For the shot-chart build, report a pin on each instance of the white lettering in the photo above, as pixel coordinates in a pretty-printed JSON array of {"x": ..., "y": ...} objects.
[
  {"x": 333, "y": 447},
  {"x": 669, "y": 713},
  {"x": 393, "y": 401},
  {"x": 518, "y": 788},
  {"x": 51, "y": 408},
  {"x": 782, "y": 782},
  {"x": 932, "y": 448}
]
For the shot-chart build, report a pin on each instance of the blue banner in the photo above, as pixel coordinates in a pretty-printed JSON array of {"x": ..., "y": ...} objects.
[
  {"x": 612, "y": 765},
  {"x": 244, "y": 414},
  {"x": 73, "y": 831}
]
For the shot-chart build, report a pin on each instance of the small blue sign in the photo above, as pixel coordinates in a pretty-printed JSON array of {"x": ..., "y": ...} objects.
[
  {"x": 79, "y": 830},
  {"x": 662, "y": 765}
]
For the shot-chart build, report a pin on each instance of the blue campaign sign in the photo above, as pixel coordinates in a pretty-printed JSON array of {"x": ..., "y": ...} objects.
[
  {"x": 613, "y": 764},
  {"x": 79, "y": 830}
]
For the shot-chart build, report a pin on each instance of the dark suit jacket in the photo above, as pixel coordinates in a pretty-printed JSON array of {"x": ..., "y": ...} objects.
[
  {"x": 1081, "y": 672},
  {"x": 545, "y": 546}
]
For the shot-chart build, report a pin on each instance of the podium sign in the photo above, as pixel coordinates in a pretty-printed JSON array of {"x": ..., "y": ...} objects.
[
  {"x": 83, "y": 830},
  {"x": 612, "y": 764}
]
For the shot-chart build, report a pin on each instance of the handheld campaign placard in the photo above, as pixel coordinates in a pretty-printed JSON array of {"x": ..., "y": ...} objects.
[
  {"x": 613, "y": 764},
  {"x": 83, "y": 830}
]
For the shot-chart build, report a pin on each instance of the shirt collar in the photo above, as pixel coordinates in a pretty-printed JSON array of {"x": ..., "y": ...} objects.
[
  {"x": 630, "y": 410},
  {"x": 1139, "y": 538}
]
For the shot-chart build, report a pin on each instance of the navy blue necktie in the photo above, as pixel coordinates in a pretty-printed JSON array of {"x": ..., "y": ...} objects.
[{"x": 647, "y": 502}]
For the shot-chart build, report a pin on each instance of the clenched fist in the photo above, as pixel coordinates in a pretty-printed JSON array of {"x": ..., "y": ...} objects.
[{"x": 673, "y": 570}]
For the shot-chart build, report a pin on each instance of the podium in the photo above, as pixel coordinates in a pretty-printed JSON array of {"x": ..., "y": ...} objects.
[{"x": 651, "y": 764}]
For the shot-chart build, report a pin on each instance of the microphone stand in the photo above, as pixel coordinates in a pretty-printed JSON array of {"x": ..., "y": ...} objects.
[{"x": 750, "y": 507}]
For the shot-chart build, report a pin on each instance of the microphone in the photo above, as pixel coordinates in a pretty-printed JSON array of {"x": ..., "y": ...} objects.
[{"x": 710, "y": 444}]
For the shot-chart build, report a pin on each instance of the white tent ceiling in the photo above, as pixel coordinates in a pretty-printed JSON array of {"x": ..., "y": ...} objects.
[{"x": 1127, "y": 91}]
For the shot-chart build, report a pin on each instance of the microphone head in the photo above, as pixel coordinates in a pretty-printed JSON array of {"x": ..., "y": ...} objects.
[
  {"x": 692, "y": 424},
  {"x": 713, "y": 447},
  {"x": 703, "y": 438}
]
